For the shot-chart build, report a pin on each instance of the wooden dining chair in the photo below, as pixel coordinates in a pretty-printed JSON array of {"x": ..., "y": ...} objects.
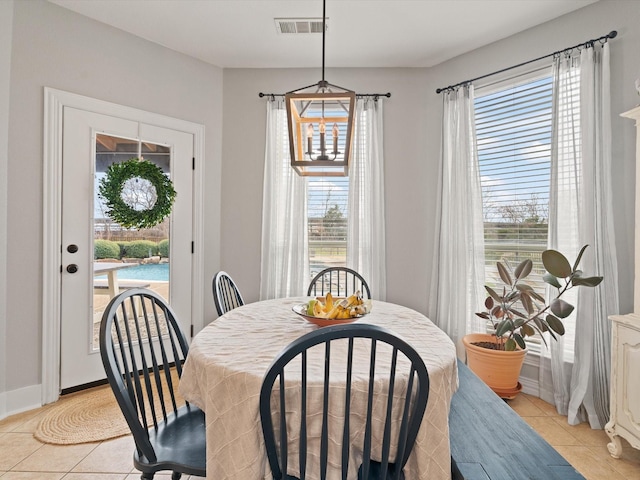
[
  {"x": 143, "y": 348},
  {"x": 405, "y": 401},
  {"x": 340, "y": 281},
  {"x": 226, "y": 294}
]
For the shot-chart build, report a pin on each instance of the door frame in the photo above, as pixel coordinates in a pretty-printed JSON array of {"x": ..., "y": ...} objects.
[{"x": 54, "y": 103}]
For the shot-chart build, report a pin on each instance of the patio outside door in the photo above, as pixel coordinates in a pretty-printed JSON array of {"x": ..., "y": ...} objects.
[{"x": 92, "y": 142}]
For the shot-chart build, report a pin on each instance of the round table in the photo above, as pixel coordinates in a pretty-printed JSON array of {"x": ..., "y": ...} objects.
[{"x": 228, "y": 359}]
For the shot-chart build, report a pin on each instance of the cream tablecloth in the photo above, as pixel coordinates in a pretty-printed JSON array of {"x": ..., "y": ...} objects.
[{"x": 228, "y": 359}]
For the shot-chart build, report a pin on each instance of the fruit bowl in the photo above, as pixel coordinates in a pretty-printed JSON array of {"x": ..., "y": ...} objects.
[
  {"x": 329, "y": 310},
  {"x": 301, "y": 309}
]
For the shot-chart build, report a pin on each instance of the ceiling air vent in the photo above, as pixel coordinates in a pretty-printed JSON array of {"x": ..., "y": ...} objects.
[{"x": 299, "y": 25}]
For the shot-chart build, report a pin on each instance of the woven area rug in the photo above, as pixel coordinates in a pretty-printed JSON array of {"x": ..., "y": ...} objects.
[
  {"x": 89, "y": 416},
  {"x": 82, "y": 417}
]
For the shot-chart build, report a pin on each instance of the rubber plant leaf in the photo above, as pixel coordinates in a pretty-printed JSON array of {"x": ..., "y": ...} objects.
[
  {"x": 527, "y": 303},
  {"x": 493, "y": 293},
  {"x": 511, "y": 296},
  {"x": 586, "y": 281},
  {"x": 517, "y": 313},
  {"x": 523, "y": 269},
  {"x": 504, "y": 273},
  {"x": 560, "y": 308},
  {"x": 504, "y": 327},
  {"x": 537, "y": 296},
  {"x": 556, "y": 264},
  {"x": 555, "y": 324},
  {"x": 527, "y": 331},
  {"x": 523, "y": 287},
  {"x": 551, "y": 280},
  {"x": 520, "y": 341},
  {"x": 577, "y": 262},
  {"x": 553, "y": 335},
  {"x": 510, "y": 345},
  {"x": 540, "y": 324}
]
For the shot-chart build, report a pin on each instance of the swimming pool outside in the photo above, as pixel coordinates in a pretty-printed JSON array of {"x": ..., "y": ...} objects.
[{"x": 154, "y": 272}]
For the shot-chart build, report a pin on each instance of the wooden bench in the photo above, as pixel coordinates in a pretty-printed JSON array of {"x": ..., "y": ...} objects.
[{"x": 489, "y": 441}]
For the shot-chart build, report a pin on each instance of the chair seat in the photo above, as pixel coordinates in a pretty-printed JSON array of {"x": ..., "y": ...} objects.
[{"x": 179, "y": 443}]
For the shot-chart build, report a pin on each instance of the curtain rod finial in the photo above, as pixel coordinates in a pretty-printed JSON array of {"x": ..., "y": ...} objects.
[{"x": 613, "y": 34}]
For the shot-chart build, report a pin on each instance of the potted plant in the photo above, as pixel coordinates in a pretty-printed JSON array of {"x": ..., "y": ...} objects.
[{"x": 516, "y": 312}]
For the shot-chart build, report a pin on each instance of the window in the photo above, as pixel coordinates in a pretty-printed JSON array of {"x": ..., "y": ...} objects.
[
  {"x": 513, "y": 129},
  {"x": 327, "y": 199},
  {"x": 331, "y": 202},
  {"x": 327, "y": 205}
]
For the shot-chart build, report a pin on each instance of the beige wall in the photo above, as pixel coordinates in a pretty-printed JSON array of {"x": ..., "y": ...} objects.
[
  {"x": 6, "y": 20},
  {"x": 410, "y": 168},
  {"x": 54, "y": 47}
]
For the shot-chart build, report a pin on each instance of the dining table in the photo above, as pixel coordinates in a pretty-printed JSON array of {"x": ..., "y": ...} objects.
[{"x": 228, "y": 359}]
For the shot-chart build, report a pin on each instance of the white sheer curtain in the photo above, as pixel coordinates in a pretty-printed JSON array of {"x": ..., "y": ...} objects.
[
  {"x": 284, "y": 270},
  {"x": 457, "y": 289},
  {"x": 580, "y": 213},
  {"x": 366, "y": 252}
]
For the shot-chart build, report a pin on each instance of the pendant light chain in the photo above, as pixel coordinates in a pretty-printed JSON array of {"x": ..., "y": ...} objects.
[
  {"x": 324, "y": 29},
  {"x": 325, "y": 104}
]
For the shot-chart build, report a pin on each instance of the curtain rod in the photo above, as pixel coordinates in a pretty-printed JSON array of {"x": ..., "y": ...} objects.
[
  {"x": 376, "y": 95},
  {"x": 590, "y": 43}
]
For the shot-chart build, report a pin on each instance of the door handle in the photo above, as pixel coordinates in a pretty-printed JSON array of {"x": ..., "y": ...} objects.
[{"x": 72, "y": 268}]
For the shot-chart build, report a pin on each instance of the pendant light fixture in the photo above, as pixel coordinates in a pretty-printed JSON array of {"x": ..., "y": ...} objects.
[{"x": 320, "y": 120}]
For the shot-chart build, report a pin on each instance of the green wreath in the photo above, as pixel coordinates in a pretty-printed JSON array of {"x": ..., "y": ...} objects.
[{"x": 119, "y": 210}]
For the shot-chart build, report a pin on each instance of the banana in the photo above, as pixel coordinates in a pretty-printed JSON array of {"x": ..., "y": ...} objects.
[
  {"x": 344, "y": 308},
  {"x": 328, "y": 302},
  {"x": 335, "y": 311},
  {"x": 353, "y": 300}
]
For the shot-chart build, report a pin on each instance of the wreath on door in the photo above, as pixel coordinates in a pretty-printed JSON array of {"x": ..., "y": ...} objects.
[{"x": 137, "y": 193}]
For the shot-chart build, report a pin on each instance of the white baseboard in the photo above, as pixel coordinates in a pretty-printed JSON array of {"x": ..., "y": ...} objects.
[
  {"x": 530, "y": 386},
  {"x": 530, "y": 374},
  {"x": 20, "y": 400}
]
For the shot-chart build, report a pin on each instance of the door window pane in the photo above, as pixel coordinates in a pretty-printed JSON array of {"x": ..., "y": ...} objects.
[{"x": 127, "y": 257}]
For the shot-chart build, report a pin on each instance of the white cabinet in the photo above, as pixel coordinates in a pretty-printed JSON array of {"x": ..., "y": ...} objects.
[
  {"x": 625, "y": 383},
  {"x": 625, "y": 346}
]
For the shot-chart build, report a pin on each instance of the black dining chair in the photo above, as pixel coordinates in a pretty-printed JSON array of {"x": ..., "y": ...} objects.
[
  {"x": 405, "y": 400},
  {"x": 143, "y": 349},
  {"x": 226, "y": 294},
  {"x": 340, "y": 281}
]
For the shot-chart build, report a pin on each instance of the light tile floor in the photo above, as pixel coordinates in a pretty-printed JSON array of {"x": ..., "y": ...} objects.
[
  {"x": 580, "y": 445},
  {"x": 24, "y": 458}
]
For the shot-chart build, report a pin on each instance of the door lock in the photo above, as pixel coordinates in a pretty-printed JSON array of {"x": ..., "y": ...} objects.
[
  {"x": 72, "y": 248},
  {"x": 72, "y": 268}
]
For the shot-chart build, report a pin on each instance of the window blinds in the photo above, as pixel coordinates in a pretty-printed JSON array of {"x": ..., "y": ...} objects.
[
  {"x": 513, "y": 130},
  {"x": 327, "y": 220}
]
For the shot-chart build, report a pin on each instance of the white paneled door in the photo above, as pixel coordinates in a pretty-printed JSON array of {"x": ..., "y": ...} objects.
[{"x": 92, "y": 142}]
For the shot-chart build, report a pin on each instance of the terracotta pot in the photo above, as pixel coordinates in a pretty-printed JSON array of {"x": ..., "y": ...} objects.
[{"x": 498, "y": 369}]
